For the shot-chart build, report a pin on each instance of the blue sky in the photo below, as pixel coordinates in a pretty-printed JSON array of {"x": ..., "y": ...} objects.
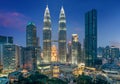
[{"x": 15, "y": 15}]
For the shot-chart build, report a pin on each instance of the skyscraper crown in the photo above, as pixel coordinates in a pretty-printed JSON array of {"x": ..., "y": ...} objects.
[
  {"x": 62, "y": 12},
  {"x": 47, "y": 12}
]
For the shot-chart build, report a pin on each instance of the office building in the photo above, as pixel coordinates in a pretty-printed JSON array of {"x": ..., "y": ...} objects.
[
  {"x": 6, "y": 39},
  {"x": 29, "y": 58},
  {"x": 47, "y": 36},
  {"x": 10, "y": 57},
  {"x": 69, "y": 52},
  {"x": 62, "y": 37},
  {"x": 90, "y": 38},
  {"x": 76, "y": 50},
  {"x": 31, "y": 35}
]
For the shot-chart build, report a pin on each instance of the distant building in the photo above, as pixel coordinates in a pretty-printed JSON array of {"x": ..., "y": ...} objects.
[
  {"x": 62, "y": 37},
  {"x": 76, "y": 50},
  {"x": 39, "y": 59},
  {"x": 33, "y": 49},
  {"x": 10, "y": 57},
  {"x": 69, "y": 52},
  {"x": 38, "y": 41},
  {"x": 100, "y": 51},
  {"x": 106, "y": 52},
  {"x": 90, "y": 38},
  {"x": 54, "y": 54},
  {"x": 47, "y": 36},
  {"x": 111, "y": 53},
  {"x": 6, "y": 39},
  {"x": 29, "y": 58},
  {"x": 114, "y": 52},
  {"x": 31, "y": 35}
]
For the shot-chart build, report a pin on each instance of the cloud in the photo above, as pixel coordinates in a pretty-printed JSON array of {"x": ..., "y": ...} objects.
[{"x": 13, "y": 20}]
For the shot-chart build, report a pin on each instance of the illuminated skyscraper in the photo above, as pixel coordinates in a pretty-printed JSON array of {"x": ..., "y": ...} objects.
[
  {"x": 10, "y": 57},
  {"x": 69, "y": 52},
  {"x": 54, "y": 54},
  {"x": 47, "y": 36},
  {"x": 90, "y": 38},
  {"x": 4, "y": 40},
  {"x": 76, "y": 49},
  {"x": 29, "y": 58},
  {"x": 62, "y": 37},
  {"x": 31, "y": 36}
]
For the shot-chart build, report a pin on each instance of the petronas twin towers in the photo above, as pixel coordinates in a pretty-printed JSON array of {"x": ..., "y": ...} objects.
[{"x": 47, "y": 35}]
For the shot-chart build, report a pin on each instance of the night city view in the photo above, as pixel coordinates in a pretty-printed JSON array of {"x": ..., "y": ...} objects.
[{"x": 59, "y": 42}]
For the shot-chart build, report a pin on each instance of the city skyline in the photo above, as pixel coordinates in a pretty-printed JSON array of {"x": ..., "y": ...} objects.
[{"x": 14, "y": 17}]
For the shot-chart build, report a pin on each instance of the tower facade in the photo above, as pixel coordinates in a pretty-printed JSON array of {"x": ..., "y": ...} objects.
[
  {"x": 31, "y": 36},
  {"x": 47, "y": 36},
  {"x": 76, "y": 49},
  {"x": 54, "y": 55},
  {"x": 62, "y": 37},
  {"x": 69, "y": 52},
  {"x": 29, "y": 58},
  {"x": 90, "y": 38},
  {"x": 4, "y": 40},
  {"x": 10, "y": 57}
]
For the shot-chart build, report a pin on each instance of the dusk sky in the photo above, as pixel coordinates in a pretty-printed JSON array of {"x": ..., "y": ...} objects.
[{"x": 16, "y": 14}]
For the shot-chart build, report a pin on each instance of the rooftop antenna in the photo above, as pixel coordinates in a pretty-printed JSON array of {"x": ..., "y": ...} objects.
[
  {"x": 46, "y": 3},
  {"x": 62, "y": 3}
]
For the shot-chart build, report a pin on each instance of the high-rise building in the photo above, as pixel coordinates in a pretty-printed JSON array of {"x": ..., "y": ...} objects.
[
  {"x": 62, "y": 37},
  {"x": 10, "y": 39},
  {"x": 111, "y": 52},
  {"x": 76, "y": 50},
  {"x": 90, "y": 38},
  {"x": 69, "y": 52},
  {"x": 100, "y": 51},
  {"x": 114, "y": 52},
  {"x": 47, "y": 36},
  {"x": 38, "y": 51},
  {"x": 29, "y": 58},
  {"x": 31, "y": 36},
  {"x": 54, "y": 54},
  {"x": 106, "y": 52},
  {"x": 10, "y": 57},
  {"x": 5, "y": 39}
]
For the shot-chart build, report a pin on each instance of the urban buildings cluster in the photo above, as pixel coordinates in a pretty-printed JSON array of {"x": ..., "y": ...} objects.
[
  {"x": 109, "y": 54},
  {"x": 14, "y": 57}
]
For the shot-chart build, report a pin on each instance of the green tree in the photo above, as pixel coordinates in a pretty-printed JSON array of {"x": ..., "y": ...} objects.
[
  {"x": 56, "y": 81},
  {"x": 84, "y": 79}
]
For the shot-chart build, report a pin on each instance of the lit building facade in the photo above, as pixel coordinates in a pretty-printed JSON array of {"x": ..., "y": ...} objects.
[
  {"x": 106, "y": 52},
  {"x": 32, "y": 43},
  {"x": 90, "y": 38},
  {"x": 111, "y": 53},
  {"x": 47, "y": 36},
  {"x": 69, "y": 52},
  {"x": 56, "y": 71},
  {"x": 11, "y": 57},
  {"x": 114, "y": 52},
  {"x": 4, "y": 40},
  {"x": 76, "y": 50},
  {"x": 54, "y": 54},
  {"x": 29, "y": 58},
  {"x": 62, "y": 37},
  {"x": 31, "y": 36}
]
